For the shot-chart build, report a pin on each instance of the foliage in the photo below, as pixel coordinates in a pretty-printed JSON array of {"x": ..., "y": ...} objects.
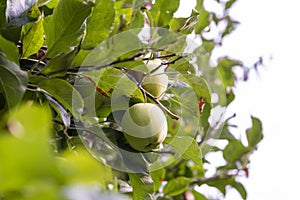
[{"x": 68, "y": 71}]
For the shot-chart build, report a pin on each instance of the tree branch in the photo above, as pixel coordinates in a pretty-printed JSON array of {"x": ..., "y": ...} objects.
[
  {"x": 91, "y": 68},
  {"x": 172, "y": 115}
]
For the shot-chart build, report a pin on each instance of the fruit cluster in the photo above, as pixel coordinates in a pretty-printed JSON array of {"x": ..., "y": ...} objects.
[{"x": 144, "y": 124}]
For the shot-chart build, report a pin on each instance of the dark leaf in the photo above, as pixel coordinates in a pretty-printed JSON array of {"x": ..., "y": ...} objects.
[
  {"x": 65, "y": 94},
  {"x": 2, "y": 13},
  {"x": 9, "y": 49},
  {"x": 63, "y": 113},
  {"x": 59, "y": 65},
  {"x": 13, "y": 81}
]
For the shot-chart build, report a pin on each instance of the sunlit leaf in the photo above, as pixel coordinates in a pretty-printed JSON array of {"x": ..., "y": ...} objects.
[
  {"x": 65, "y": 27},
  {"x": 162, "y": 11},
  {"x": 158, "y": 177},
  {"x": 203, "y": 21},
  {"x": 143, "y": 186},
  {"x": 199, "y": 5},
  {"x": 33, "y": 38},
  {"x": 198, "y": 196},
  {"x": 83, "y": 168},
  {"x": 21, "y": 162},
  {"x": 13, "y": 81},
  {"x": 99, "y": 24},
  {"x": 112, "y": 80}
]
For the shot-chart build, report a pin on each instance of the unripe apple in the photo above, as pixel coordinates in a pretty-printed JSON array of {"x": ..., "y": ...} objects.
[
  {"x": 144, "y": 126},
  {"x": 155, "y": 83}
]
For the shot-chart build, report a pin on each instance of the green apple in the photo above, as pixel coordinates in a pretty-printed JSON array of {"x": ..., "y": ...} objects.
[
  {"x": 144, "y": 126},
  {"x": 155, "y": 83}
]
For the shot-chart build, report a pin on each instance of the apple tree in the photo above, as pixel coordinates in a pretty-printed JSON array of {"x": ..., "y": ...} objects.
[{"x": 118, "y": 99}]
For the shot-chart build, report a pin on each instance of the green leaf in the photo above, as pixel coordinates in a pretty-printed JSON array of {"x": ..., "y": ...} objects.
[
  {"x": 226, "y": 134},
  {"x": 229, "y": 4},
  {"x": 59, "y": 65},
  {"x": 143, "y": 186},
  {"x": 112, "y": 80},
  {"x": 21, "y": 12},
  {"x": 13, "y": 81},
  {"x": 122, "y": 18},
  {"x": 199, "y": 85},
  {"x": 11, "y": 34},
  {"x": 190, "y": 150},
  {"x": 225, "y": 69},
  {"x": 65, "y": 94},
  {"x": 219, "y": 184},
  {"x": 100, "y": 24},
  {"x": 2, "y": 13},
  {"x": 158, "y": 177},
  {"x": 177, "y": 186},
  {"x": 198, "y": 196},
  {"x": 231, "y": 26},
  {"x": 83, "y": 168},
  {"x": 33, "y": 38},
  {"x": 65, "y": 28},
  {"x": 24, "y": 152},
  {"x": 177, "y": 23},
  {"x": 184, "y": 25},
  {"x": 203, "y": 21},
  {"x": 162, "y": 11},
  {"x": 199, "y": 5},
  {"x": 254, "y": 134},
  {"x": 240, "y": 188},
  {"x": 234, "y": 151},
  {"x": 9, "y": 49}
]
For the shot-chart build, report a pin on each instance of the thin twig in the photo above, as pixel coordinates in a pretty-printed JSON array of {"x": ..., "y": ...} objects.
[
  {"x": 91, "y": 68},
  {"x": 172, "y": 115}
]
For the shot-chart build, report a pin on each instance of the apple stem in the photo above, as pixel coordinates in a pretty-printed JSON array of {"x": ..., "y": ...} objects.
[{"x": 172, "y": 115}]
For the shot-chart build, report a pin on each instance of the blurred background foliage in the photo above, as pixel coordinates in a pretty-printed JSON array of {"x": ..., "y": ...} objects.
[{"x": 44, "y": 43}]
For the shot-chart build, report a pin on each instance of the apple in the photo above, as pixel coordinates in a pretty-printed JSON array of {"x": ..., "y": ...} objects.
[
  {"x": 156, "y": 83},
  {"x": 144, "y": 126}
]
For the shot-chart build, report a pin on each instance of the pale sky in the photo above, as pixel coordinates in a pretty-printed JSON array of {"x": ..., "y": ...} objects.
[{"x": 269, "y": 28}]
